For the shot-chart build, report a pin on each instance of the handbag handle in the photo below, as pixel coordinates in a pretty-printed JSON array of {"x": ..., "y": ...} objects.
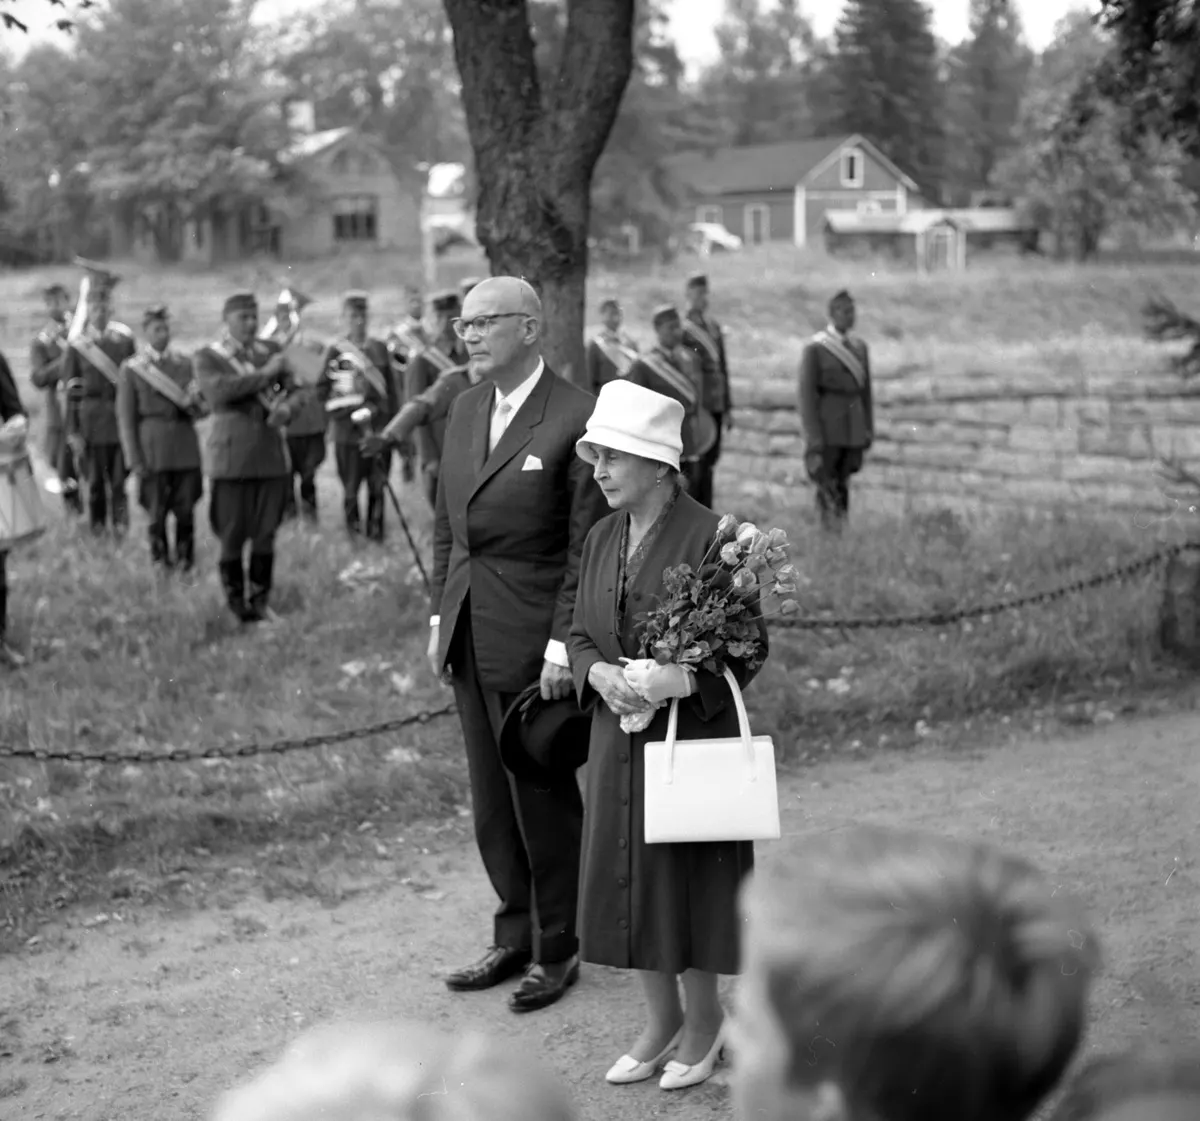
[{"x": 743, "y": 730}]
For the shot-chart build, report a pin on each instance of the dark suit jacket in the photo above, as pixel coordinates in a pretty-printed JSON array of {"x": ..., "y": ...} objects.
[
  {"x": 241, "y": 445},
  {"x": 92, "y": 397},
  {"x": 512, "y": 538},
  {"x": 835, "y": 411},
  {"x": 156, "y": 434}
]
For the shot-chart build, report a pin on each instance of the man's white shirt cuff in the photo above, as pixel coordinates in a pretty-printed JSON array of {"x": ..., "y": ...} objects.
[
  {"x": 556, "y": 653},
  {"x": 435, "y": 620}
]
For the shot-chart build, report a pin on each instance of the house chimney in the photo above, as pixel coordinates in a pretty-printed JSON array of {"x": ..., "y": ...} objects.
[{"x": 301, "y": 118}]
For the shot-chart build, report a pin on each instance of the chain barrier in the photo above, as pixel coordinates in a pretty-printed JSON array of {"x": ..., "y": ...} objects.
[
  {"x": 228, "y": 751},
  {"x": 1114, "y": 575}
]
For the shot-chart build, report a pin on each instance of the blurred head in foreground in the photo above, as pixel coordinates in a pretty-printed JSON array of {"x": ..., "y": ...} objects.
[
  {"x": 396, "y": 1072},
  {"x": 892, "y": 975},
  {"x": 1135, "y": 1086}
]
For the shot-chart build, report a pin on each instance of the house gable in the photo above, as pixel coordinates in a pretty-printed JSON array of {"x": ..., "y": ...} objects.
[{"x": 855, "y": 164}]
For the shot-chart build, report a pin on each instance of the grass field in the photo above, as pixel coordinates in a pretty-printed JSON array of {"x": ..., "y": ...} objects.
[{"x": 123, "y": 660}]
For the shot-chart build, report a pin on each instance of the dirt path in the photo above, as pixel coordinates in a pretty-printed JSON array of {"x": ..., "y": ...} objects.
[{"x": 151, "y": 1012}]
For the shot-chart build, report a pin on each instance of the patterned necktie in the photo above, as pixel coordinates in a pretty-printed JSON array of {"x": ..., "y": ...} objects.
[{"x": 500, "y": 418}]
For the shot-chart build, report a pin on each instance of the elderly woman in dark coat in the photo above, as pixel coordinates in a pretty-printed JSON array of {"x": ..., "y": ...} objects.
[{"x": 666, "y": 910}]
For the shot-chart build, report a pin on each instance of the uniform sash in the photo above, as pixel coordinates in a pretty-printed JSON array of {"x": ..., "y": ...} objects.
[
  {"x": 619, "y": 353},
  {"x": 674, "y": 377},
  {"x": 159, "y": 381},
  {"x": 366, "y": 367},
  {"x": 441, "y": 360},
  {"x": 242, "y": 367},
  {"x": 844, "y": 355},
  {"x": 89, "y": 350},
  {"x": 694, "y": 331}
]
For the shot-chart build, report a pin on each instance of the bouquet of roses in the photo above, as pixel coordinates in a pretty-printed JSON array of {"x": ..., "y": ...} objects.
[{"x": 709, "y": 615}]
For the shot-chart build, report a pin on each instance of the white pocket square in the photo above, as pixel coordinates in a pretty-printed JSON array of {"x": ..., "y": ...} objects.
[{"x": 532, "y": 463}]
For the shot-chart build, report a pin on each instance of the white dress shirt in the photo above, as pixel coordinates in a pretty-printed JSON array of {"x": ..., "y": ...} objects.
[{"x": 556, "y": 652}]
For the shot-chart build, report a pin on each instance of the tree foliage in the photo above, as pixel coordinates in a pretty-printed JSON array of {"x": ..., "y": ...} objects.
[{"x": 885, "y": 75}]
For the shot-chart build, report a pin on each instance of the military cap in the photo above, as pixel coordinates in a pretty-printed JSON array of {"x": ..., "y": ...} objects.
[
  {"x": 155, "y": 312},
  {"x": 54, "y": 289},
  {"x": 841, "y": 297},
  {"x": 611, "y": 302},
  {"x": 467, "y": 283},
  {"x": 697, "y": 280},
  {"x": 662, "y": 314},
  {"x": 445, "y": 301},
  {"x": 355, "y": 299},
  {"x": 240, "y": 301},
  {"x": 101, "y": 281}
]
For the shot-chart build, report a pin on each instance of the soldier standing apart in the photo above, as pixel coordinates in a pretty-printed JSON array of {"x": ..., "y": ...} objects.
[
  {"x": 157, "y": 408},
  {"x": 45, "y": 365},
  {"x": 610, "y": 352},
  {"x": 246, "y": 382},
  {"x": 91, "y": 370},
  {"x": 443, "y": 352},
  {"x": 671, "y": 369},
  {"x": 354, "y": 374},
  {"x": 702, "y": 335},
  {"x": 835, "y": 409}
]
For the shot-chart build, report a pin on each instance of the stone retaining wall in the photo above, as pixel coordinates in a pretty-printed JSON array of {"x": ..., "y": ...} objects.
[{"x": 976, "y": 438}]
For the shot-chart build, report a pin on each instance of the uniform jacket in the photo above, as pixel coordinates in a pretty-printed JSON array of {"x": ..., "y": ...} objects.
[
  {"x": 601, "y": 369},
  {"x": 420, "y": 374},
  {"x": 835, "y": 411},
  {"x": 156, "y": 434},
  {"x": 714, "y": 368},
  {"x": 509, "y": 528},
  {"x": 383, "y": 408},
  {"x": 241, "y": 445},
  {"x": 45, "y": 354},
  {"x": 432, "y": 406},
  {"x": 91, "y": 396}
]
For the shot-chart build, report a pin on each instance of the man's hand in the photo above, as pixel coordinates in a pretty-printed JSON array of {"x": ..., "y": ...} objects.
[
  {"x": 609, "y": 681},
  {"x": 273, "y": 367},
  {"x": 279, "y": 415},
  {"x": 372, "y": 444},
  {"x": 431, "y": 652},
  {"x": 814, "y": 463},
  {"x": 556, "y": 682}
]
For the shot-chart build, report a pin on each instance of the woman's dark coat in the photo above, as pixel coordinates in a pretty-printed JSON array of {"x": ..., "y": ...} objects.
[{"x": 658, "y": 907}]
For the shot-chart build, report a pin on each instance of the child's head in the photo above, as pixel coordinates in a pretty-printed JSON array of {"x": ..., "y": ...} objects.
[
  {"x": 1135, "y": 1086},
  {"x": 893, "y": 975},
  {"x": 396, "y": 1072}
]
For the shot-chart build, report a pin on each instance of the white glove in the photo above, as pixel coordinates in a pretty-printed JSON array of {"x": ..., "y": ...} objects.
[{"x": 659, "y": 683}]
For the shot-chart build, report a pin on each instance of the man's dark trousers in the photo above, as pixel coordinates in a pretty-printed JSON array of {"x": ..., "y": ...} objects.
[
  {"x": 354, "y": 469},
  {"x": 173, "y": 493},
  {"x": 106, "y": 486},
  {"x": 831, "y": 476},
  {"x": 307, "y": 454},
  {"x": 528, "y": 834}
]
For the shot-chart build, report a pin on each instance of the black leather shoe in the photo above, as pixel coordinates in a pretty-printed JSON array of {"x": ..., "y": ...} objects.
[
  {"x": 543, "y": 985},
  {"x": 495, "y": 967}
]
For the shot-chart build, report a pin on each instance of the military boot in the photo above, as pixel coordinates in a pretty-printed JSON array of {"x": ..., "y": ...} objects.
[{"x": 233, "y": 581}]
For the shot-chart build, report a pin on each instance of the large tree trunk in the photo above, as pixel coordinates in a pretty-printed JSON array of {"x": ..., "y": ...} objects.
[{"x": 535, "y": 150}]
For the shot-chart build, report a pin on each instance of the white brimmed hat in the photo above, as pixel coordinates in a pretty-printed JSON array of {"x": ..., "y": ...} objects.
[{"x": 629, "y": 418}]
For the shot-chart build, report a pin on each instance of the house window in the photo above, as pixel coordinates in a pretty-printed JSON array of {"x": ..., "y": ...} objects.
[
  {"x": 852, "y": 167},
  {"x": 710, "y": 215},
  {"x": 355, "y": 218},
  {"x": 756, "y": 223}
]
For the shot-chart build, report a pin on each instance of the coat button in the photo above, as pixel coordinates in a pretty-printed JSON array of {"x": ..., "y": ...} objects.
[
  {"x": 624, "y": 801},
  {"x": 623, "y": 925},
  {"x": 623, "y": 757},
  {"x": 622, "y": 843},
  {"x": 622, "y": 883}
]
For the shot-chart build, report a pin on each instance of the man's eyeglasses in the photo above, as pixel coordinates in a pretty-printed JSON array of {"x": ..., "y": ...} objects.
[{"x": 482, "y": 324}]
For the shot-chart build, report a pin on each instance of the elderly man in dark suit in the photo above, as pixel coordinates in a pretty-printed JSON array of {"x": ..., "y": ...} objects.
[
  {"x": 245, "y": 381},
  {"x": 835, "y": 409},
  {"x": 514, "y": 505}
]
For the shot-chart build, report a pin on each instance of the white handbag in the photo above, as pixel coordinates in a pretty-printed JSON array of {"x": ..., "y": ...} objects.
[{"x": 712, "y": 789}]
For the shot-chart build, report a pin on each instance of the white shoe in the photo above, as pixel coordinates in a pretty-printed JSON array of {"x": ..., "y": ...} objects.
[
  {"x": 678, "y": 1076},
  {"x": 627, "y": 1069}
]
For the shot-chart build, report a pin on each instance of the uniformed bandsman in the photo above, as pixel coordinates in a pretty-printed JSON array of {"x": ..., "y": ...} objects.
[
  {"x": 90, "y": 371},
  {"x": 45, "y": 366},
  {"x": 671, "y": 369},
  {"x": 836, "y": 411},
  {"x": 443, "y": 352},
  {"x": 430, "y": 408},
  {"x": 610, "y": 351},
  {"x": 158, "y": 404},
  {"x": 246, "y": 382},
  {"x": 702, "y": 334},
  {"x": 466, "y": 284},
  {"x": 355, "y": 373},
  {"x": 403, "y": 341}
]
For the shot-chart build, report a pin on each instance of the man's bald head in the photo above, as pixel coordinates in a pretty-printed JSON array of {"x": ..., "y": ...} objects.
[
  {"x": 502, "y": 326},
  {"x": 502, "y": 295}
]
